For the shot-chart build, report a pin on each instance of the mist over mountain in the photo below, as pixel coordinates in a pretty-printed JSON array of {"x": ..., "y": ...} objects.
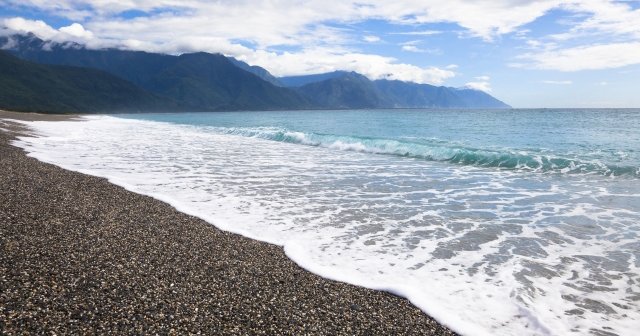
[
  {"x": 213, "y": 82},
  {"x": 351, "y": 90}
]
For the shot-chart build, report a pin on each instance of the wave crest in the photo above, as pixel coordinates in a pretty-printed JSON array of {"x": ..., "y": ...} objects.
[{"x": 438, "y": 150}]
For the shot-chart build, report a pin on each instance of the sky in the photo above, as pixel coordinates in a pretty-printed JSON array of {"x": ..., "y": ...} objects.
[{"x": 544, "y": 53}]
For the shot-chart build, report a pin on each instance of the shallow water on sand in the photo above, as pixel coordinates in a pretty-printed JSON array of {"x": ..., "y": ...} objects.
[{"x": 511, "y": 222}]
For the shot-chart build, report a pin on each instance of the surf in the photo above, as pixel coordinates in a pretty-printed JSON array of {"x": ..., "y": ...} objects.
[
  {"x": 482, "y": 249},
  {"x": 439, "y": 150}
]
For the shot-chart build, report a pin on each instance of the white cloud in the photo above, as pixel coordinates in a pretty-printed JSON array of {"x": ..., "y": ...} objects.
[
  {"x": 371, "y": 38},
  {"x": 481, "y": 83},
  {"x": 77, "y": 30},
  {"x": 264, "y": 23},
  {"x": 589, "y": 57},
  {"x": 250, "y": 28},
  {"x": 555, "y": 82},
  {"x": 187, "y": 45},
  {"x": 411, "y": 48},
  {"x": 481, "y": 86},
  {"x": 295, "y": 19},
  {"x": 37, "y": 27},
  {"x": 319, "y": 60},
  {"x": 606, "y": 17},
  {"x": 74, "y": 32},
  {"x": 574, "y": 50},
  {"x": 483, "y": 18},
  {"x": 308, "y": 61}
]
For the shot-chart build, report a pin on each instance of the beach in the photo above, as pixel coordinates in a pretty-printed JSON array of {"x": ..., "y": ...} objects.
[{"x": 81, "y": 255}]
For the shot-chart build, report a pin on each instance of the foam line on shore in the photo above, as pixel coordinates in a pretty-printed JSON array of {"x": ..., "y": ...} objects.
[
  {"x": 260, "y": 188},
  {"x": 145, "y": 281}
]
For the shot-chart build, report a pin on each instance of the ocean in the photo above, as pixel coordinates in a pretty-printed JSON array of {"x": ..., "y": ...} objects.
[{"x": 494, "y": 222}]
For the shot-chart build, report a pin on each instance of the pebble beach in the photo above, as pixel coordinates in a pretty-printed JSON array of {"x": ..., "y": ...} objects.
[{"x": 80, "y": 255}]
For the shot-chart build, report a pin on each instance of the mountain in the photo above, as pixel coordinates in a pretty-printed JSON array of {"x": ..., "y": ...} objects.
[
  {"x": 349, "y": 90},
  {"x": 197, "y": 82},
  {"x": 413, "y": 95},
  {"x": 256, "y": 70},
  {"x": 342, "y": 89},
  {"x": 213, "y": 82},
  {"x": 27, "y": 86},
  {"x": 479, "y": 99},
  {"x": 297, "y": 81}
]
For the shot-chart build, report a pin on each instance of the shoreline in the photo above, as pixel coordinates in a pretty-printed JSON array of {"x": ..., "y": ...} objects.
[{"x": 81, "y": 255}]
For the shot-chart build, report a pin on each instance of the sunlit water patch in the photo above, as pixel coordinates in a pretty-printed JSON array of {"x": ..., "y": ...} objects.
[{"x": 485, "y": 248}]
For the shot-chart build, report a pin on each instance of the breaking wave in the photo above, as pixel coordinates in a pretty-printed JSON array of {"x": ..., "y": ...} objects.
[{"x": 438, "y": 150}]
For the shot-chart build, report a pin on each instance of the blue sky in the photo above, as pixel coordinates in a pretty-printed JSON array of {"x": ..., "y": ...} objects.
[{"x": 545, "y": 53}]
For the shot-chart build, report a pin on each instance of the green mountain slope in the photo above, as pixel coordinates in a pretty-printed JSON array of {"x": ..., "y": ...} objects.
[
  {"x": 198, "y": 82},
  {"x": 351, "y": 90},
  {"x": 213, "y": 82},
  {"x": 256, "y": 70},
  {"x": 297, "y": 81},
  {"x": 27, "y": 86}
]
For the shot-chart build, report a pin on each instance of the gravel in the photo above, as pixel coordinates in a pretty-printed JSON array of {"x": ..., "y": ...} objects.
[{"x": 82, "y": 256}]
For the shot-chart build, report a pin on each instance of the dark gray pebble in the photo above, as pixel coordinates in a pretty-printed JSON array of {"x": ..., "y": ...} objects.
[{"x": 82, "y": 256}]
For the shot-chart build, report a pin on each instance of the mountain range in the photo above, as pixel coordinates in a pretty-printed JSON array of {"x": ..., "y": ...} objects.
[
  {"x": 28, "y": 86},
  {"x": 195, "y": 82}
]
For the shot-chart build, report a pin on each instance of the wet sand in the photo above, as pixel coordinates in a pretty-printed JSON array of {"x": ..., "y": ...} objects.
[{"x": 80, "y": 255}]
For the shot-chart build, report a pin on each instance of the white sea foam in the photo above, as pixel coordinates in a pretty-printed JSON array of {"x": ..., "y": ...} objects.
[{"x": 485, "y": 251}]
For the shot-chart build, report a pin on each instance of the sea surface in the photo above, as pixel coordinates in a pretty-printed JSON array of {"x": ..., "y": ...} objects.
[{"x": 495, "y": 222}]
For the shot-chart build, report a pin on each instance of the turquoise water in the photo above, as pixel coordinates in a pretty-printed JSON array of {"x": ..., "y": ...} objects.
[
  {"x": 588, "y": 141},
  {"x": 498, "y": 222}
]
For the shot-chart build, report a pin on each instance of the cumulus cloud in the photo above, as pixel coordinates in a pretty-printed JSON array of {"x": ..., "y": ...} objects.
[
  {"x": 319, "y": 60},
  {"x": 177, "y": 26},
  {"x": 307, "y": 61},
  {"x": 37, "y": 27},
  {"x": 481, "y": 83},
  {"x": 72, "y": 33},
  {"x": 77, "y": 30},
  {"x": 295, "y": 19},
  {"x": 483, "y": 18},
  {"x": 313, "y": 59},
  {"x": 605, "y": 17},
  {"x": 574, "y": 50}
]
